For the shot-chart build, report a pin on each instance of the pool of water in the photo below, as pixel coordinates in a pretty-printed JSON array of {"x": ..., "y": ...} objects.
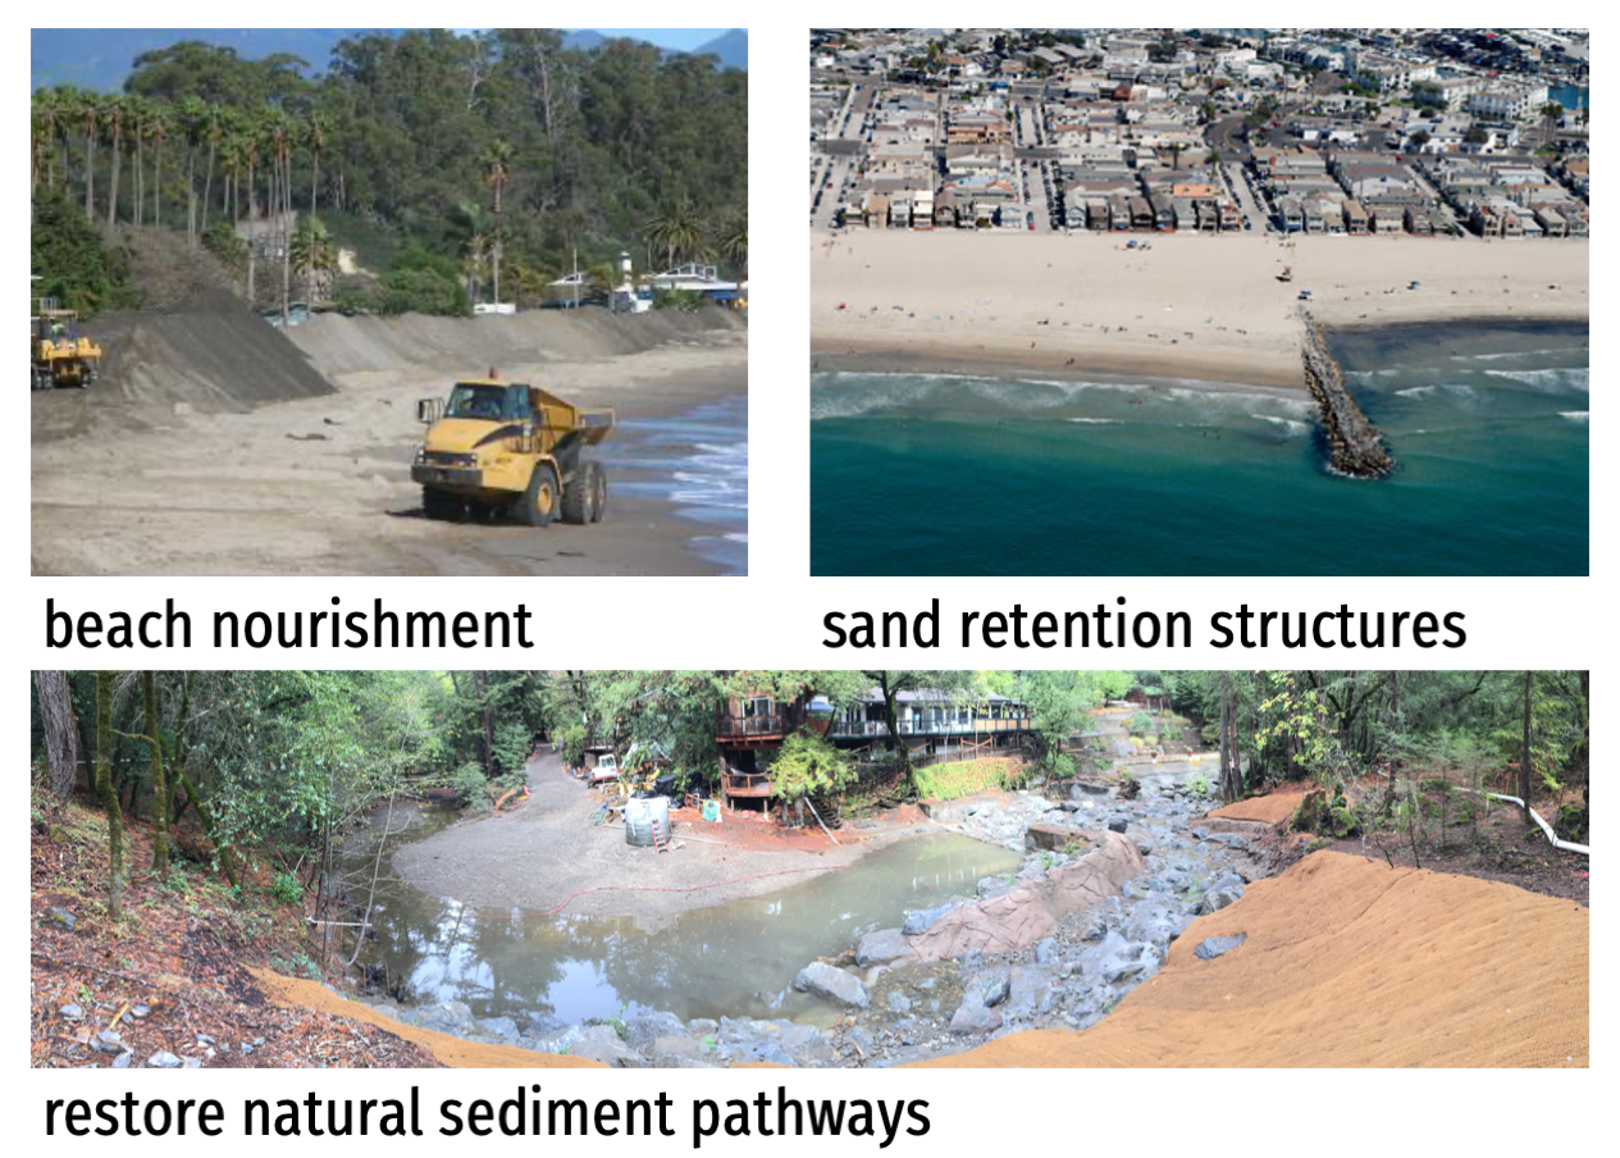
[{"x": 734, "y": 959}]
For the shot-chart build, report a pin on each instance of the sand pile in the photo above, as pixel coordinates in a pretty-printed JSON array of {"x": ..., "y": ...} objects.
[
  {"x": 1350, "y": 963},
  {"x": 299, "y": 993},
  {"x": 337, "y": 345},
  {"x": 208, "y": 352},
  {"x": 1278, "y": 808}
]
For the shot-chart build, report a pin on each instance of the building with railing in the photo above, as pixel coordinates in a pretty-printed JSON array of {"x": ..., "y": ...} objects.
[{"x": 752, "y": 726}]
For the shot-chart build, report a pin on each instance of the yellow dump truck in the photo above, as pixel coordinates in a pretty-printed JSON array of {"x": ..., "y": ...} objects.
[
  {"x": 58, "y": 354},
  {"x": 495, "y": 446}
]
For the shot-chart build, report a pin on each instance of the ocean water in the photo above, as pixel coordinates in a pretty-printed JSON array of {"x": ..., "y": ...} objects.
[
  {"x": 955, "y": 475},
  {"x": 698, "y": 460}
]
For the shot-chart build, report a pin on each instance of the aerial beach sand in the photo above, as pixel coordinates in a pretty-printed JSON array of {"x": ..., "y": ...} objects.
[{"x": 1201, "y": 308}]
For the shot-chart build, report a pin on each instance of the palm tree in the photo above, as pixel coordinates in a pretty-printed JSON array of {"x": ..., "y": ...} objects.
[
  {"x": 498, "y": 159},
  {"x": 732, "y": 241},
  {"x": 42, "y": 140},
  {"x": 157, "y": 128},
  {"x": 115, "y": 108},
  {"x": 315, "y": 137},
  {"x": 474, "y": 251},
  {"x": 215, "y": 128},
  {"x": 1551, "y": 114},
  {"x": 137, "y": 114},
  {"x": 89, "y": 110},
  {"x": 678, "y": 231},
  {"x": 313, "y": 253},
  {"x": 193, "y": 124}
]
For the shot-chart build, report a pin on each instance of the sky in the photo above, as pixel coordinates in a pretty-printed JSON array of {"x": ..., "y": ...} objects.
[{"x": 684, "y": 39}]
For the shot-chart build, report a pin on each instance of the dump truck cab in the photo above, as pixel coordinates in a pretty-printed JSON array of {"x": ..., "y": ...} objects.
[{"x": 497, "y": 446}]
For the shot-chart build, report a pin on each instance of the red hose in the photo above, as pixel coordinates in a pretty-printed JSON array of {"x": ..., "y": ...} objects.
[{"x": 652, "y": 889}]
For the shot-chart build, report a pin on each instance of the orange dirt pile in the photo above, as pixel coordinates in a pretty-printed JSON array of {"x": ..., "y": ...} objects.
[
  {"x": 297, "y": 993},
  {"x": 1350, "y": 963},
  {"x": 1277, "y": 808}
]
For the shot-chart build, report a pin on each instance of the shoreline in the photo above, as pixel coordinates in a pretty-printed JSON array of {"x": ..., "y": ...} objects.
[
  {"x": 853, "y": 359},
  {"x": 1204, "y": 310}
]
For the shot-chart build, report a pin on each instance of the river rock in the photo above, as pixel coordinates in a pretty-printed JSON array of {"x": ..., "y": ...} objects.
[
  {"x": 919, "y": 919},
  {"x": 544, "y": 1025},
  {"x": 644, "y": 1029},
  {"x": 454, "y": 1017},
  {"x": 899, "y": 1002},
  {"x": 71, "y": 1012},
  {"x": 677, "y": 1051},
  {"x": 994, "y": 988},
  {"x": 1046, "y": 951},
  {"x": 975, "y": 1017},
  {"x": 1212, "y": 947},
  {"x": 502, "y": 1027},
  {"x": 163, "y": 1060},
  {"x": 57, "y": 916},
  {"x": 829, "y": 982},
  {"x": 1216, "y": 901},
  {"x": 881, "y": 947},
  {"x": 602, "y": 1043}
]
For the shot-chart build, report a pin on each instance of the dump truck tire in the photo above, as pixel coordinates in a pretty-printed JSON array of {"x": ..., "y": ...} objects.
[
  {"x": 599, "y": 507},
  {"x": 439, "y": 505},
  {"x": 538, "y": 506},
  {"x": 581, "y": 501}
]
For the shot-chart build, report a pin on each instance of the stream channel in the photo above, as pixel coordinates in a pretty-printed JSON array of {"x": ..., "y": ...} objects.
[{"x": 735, "y": 959}]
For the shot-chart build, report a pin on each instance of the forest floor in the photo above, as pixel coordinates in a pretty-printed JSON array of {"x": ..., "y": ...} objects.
[
  {"x": 171, "y": 985},
  {"x": 1493, "y": 842},
  {"x": 547, "y": 854}
]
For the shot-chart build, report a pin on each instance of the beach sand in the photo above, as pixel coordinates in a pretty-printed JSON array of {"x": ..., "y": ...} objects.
[
  {"x": 1193, "y": 307},
  {"x": 321, "y": 486}
]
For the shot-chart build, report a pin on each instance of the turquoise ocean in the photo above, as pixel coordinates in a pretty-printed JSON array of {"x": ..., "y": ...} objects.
[{"x": 919, "y": 474}]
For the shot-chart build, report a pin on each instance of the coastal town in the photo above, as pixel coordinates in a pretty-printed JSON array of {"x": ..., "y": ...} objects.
[{"x": 1416, "y": 132}]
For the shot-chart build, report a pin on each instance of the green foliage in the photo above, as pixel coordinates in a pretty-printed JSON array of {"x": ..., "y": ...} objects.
[
  {"x": 287, "y": 889},
  {"x": 400, "y": 129},
  {"x": 1198, "y": 783},
  {"x": 221, "y": 241},
  {"x": 682, "y": 301},
  {"x": 954, "y": 780},
  {"x": 69, "y": 257},
  {"x": 420, "y": 291},
  {"x": 808, "y": 765},
  {"x": 469, "y": 782},
  {"x": 570, "y": 745},
  {"x": 1141, "y": 723}
]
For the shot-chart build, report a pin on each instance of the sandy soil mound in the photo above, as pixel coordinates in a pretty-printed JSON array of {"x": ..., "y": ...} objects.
[
  {"x": 1278, "y": 808},
  {"x": 338, "y": 345},
  {"x": 298, "y": 993},
  {"x": 209, "y": 352},
  {"x": 1027, "y": 914},
  {"x": 1348, "y": 962}
]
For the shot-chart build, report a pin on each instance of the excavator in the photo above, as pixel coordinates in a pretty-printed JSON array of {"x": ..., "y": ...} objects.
[
  {"x": 495, "y": 446},
  {"x": 58, "y": 354}
]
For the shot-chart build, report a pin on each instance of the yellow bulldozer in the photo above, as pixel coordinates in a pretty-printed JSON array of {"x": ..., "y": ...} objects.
[
  {"x": 498, "y": 447},
  {"x": 58, "y": 354}
]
